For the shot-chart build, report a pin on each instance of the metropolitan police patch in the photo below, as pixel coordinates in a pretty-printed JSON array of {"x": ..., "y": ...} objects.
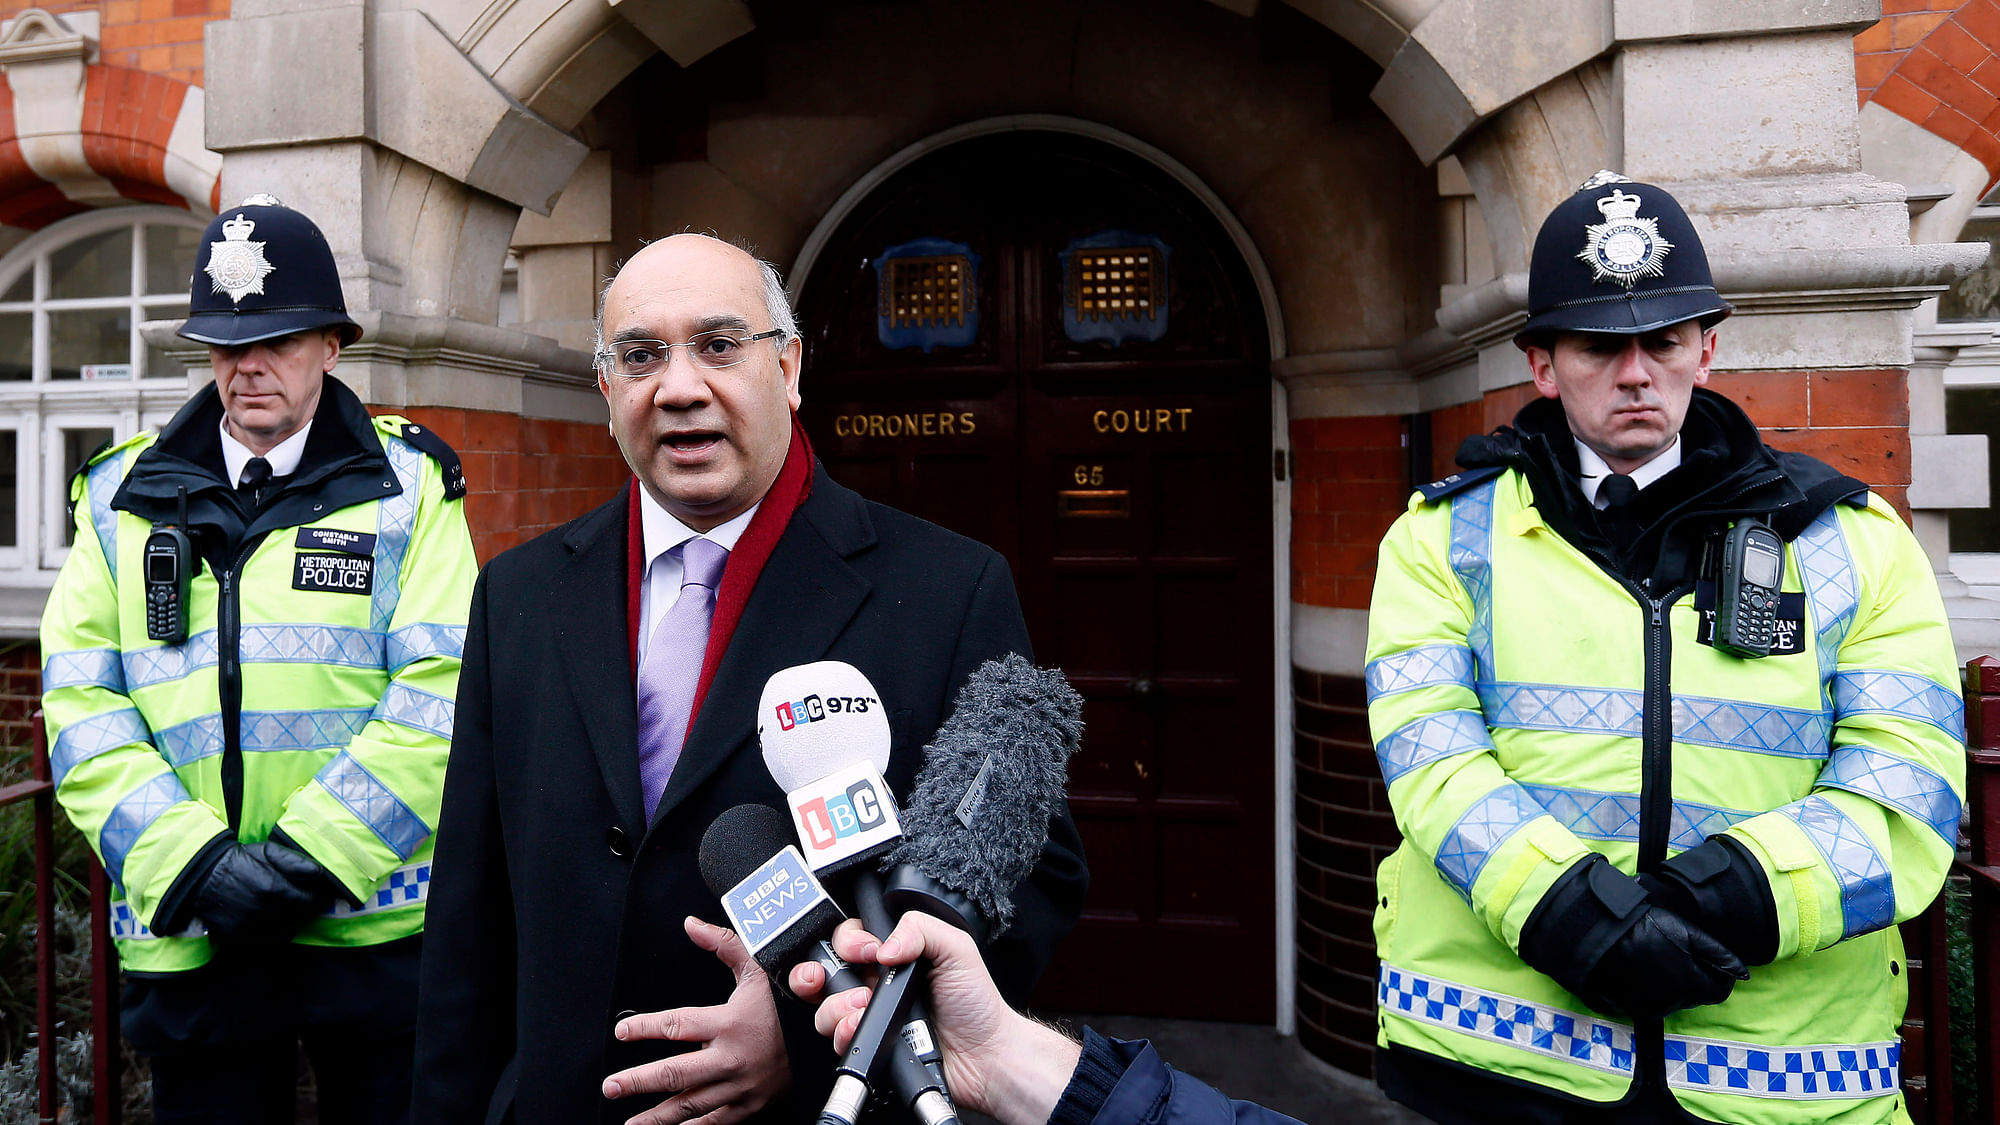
[
  {"x": 1625, "y": 247},
  {"x": 334, "y": 572},
  {"x": 237, "y": 265}
]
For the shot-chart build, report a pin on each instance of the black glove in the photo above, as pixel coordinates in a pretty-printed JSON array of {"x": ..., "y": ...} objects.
[
  {"x": 260, "y": 891},
  {"x": 1720, "y": 887},
  {"x": 1597, "y": 935}
]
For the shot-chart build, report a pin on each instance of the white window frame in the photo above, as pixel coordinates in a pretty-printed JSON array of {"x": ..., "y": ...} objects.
[{"x": 39, "y": 408}]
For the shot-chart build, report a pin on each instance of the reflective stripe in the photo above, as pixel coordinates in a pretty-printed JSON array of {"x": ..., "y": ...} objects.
[
  {"x": 263, "y": 732},
  {"x": 1799, "y": 1073},
  {"x": 1867, "y": 897},
  {"x": 309, "y": 643},
  {"x": 1898, "y": 783},
  {"x": 394, "y": 520},
  {"x": 1491, "y": 820},
  {"x": 421, "y": 641},
  {"x": 405, "y": 886},
  {"x": 191, "y": 741},
  {"x": 147, "y": 667},
  {"x": 1424, "y": 667},
  {"x": 417, "y": 709},
  {"x": 87, "y": 738},
  {"x": 374, "y": 804},
  {"x": 1728, "y": 723},
  {"x": 1827, "y": 571},
  {"x": 1472, "y": 559},
  {"x": 279, "y": 643},
  {"x": 1906, "y": 695},
  {"x": 100, "y": 485},
  {"x": 1810, "y": 1073},
  {"x": 86, "y": 667},
  {"x": 135, "y": 813},
  {"x": 1753, "y": 728},
  {"x": 1579, "y": 710},
  {"x": 1422, "y": 741},
  {"x": 1496, "y": 1017},
  {"x": 1598, "y": 815}
]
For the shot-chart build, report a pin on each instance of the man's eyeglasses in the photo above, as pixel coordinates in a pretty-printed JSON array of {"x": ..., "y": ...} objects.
[{"x": 724, "y": 347}]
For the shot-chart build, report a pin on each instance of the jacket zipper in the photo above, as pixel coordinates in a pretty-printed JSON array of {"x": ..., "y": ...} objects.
[
  {"x": 1656, "y": 770},
  {"x": 229, "y": 678}
]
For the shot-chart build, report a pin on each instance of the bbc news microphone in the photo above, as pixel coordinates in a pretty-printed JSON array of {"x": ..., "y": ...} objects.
[
  {"x": 1006, "y": 1065},
  {"x": 784, "y": 917},
  {"x": 992, "y": 781}
]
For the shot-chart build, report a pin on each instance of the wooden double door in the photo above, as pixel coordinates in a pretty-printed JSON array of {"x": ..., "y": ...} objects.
[{"x": 1043, "y": 343}]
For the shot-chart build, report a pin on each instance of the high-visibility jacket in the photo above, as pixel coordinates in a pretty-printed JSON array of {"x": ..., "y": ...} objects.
[
  {"x": 1519, "y": 693},
  {"x": 313, "y": 694}
]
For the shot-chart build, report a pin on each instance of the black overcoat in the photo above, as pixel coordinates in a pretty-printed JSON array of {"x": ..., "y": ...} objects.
[{"x": 554, "y": 908}]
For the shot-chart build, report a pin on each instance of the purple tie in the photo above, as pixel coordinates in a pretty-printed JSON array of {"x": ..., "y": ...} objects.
[{"x": 673, "y": 667}]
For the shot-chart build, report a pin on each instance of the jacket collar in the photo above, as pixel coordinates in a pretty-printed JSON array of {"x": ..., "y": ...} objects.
[
  {"x": 804, "y": 597},
  {"x": 1726, "y": 470},
  {"x": 343, "y": 465}
]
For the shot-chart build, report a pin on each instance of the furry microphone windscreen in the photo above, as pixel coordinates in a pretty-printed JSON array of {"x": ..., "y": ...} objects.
[{"x": 992, "y": 780}]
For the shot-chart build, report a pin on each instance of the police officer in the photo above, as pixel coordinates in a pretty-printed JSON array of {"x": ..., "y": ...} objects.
[
  {"x": 250, "y": 660},
  {"x": 1669, "y": 722}
]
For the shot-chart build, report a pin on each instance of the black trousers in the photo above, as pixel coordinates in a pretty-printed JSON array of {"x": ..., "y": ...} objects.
[{"x": 223, "y": 1040}]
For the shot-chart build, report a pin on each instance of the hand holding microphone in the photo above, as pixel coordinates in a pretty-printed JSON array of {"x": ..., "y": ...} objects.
[
  {"x": 998, "y": 1061},
  {"x": 992, "y": 780}
]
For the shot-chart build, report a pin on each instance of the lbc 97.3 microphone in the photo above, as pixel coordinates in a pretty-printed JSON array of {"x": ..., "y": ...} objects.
[
  {"x": 992, "y": 780},
  {"x": 825, "y": 737},
  {"x": 784, "y": 917}
]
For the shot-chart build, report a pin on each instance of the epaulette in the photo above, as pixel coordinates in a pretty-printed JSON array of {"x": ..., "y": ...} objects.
[
  {"x": 98, "y": 455},
  {"x": 427, "y": 441},
  {"x": 1458, "y": 482}
]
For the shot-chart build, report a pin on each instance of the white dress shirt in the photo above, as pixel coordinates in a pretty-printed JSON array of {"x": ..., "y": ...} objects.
[
  {"x": 662, "y": 534},
  {"x": 284, "y": 457},
  {"x": 1595, "y": 470}
]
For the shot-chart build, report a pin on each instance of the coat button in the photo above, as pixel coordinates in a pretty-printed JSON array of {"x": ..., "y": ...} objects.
[{"x": 616, "y": 840}]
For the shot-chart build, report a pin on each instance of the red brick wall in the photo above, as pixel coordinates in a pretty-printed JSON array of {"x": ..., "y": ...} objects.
[
  {"x": 20, "y": 692},
  {"x": 526, "y": 475},
  {"x": 1933, "y": 62},
  {"x": 1345, "y": 830},
  {"x": 1352, "y": 482},
  {"x": 163, "y": 37}
]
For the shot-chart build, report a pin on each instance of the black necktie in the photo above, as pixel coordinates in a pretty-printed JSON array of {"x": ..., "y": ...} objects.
[
  {"x": 1620, "y": 517},
  {"x": 256, "y": 474}
]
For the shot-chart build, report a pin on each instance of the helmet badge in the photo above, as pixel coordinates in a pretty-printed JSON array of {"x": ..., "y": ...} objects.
[
  {"x": 1623, "y": 248},
  {"x": 237, "y": 265}
]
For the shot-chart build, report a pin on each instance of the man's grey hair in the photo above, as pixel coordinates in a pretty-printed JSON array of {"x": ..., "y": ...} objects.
[{"x": 776, "y": 304}]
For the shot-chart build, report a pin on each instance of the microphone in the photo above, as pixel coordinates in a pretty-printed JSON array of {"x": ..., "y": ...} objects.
[
  {"x": 993, "y": 778},
  {"x": 825, "y": 739},
  {"x": 785, "y": 916}
]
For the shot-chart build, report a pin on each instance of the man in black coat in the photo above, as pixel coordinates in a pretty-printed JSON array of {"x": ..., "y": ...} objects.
[{"x": 558, "y": 984}]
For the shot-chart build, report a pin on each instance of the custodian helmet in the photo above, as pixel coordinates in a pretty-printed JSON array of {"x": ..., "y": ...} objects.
[
  {"x": 1621, "y": 257},
  {"x": 264, "y": 271}
]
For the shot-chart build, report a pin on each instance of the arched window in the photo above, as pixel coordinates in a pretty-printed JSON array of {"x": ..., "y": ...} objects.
[{"x": 74, "y": 371}]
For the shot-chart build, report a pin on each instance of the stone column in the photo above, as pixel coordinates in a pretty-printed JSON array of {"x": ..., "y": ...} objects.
[{"x": 418, "y": 166}]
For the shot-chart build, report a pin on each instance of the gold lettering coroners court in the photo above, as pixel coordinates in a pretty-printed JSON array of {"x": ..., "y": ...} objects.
[{"x": 928, "y": 424}]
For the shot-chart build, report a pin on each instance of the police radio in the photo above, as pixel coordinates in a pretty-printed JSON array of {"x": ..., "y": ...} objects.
[
  {"x": 1746, "y": 602},
  {"x": 169, "y": 566}
]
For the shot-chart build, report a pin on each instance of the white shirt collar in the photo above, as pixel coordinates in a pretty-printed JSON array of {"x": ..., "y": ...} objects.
[
  {"x": 663, "y": 532},
  {"x": 283, "y": 457},
  {"x": 1595, "y": 470}
]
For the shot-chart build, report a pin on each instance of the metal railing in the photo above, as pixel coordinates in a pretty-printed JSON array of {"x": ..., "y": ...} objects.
[
  {"x": 41, "y": 790},
  {"x": 1927, "y": 1033}
]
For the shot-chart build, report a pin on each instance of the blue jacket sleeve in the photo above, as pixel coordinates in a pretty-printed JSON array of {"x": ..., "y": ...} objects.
[{"x": 1128, "y": 1083}]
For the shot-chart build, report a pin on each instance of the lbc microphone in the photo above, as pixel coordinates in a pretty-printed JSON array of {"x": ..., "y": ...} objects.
[
  {"x": 784, "y": 917},
  {"x": 825, "y": 738},
  {"x": 992, "y": 780}
]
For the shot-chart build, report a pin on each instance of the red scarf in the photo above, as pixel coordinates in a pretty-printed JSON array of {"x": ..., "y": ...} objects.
[{"x": 745, "y": 563}]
